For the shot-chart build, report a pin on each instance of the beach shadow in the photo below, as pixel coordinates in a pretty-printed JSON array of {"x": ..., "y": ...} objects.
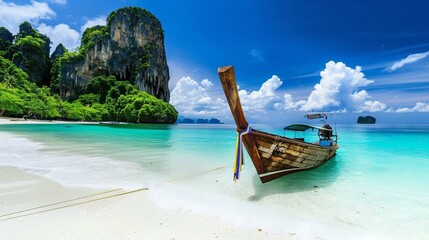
[{"x": 311, "y": 180}]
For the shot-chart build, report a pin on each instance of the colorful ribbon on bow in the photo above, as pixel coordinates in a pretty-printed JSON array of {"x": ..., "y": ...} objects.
[{"x": 239, "y": 151}]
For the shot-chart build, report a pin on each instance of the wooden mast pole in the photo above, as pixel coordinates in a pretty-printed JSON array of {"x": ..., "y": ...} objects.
[
  {"x": 227, "y": 77},
  {"x": 229, "y": 85}
]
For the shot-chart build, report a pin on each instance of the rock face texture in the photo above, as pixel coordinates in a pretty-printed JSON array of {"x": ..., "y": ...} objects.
[
  {"x": 130, "y": 47},
  {"x": 366, "y": 120},
  {"x": 59, "y": 51},
  {"x": 6, "y": 39}
]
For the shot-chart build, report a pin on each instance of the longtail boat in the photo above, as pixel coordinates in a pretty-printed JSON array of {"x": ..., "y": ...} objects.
[{"x": 272, "y": 155}]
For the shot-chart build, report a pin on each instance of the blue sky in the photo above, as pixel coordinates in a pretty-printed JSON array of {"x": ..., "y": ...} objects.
[{"x": 289, "y": 56}]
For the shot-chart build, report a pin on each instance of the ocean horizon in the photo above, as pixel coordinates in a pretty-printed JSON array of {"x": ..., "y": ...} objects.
[{"x": 374, "y": 188}]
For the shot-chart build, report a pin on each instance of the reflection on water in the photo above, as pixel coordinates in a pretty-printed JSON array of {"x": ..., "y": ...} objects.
[{"x": 310, "y": 180}]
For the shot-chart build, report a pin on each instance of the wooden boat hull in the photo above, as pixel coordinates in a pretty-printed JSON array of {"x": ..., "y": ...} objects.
[
  {"x": 273, "y": 156},
  {"x": 280, "y": 156}
]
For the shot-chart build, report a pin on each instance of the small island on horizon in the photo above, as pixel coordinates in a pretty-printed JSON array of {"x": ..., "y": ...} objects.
[
  {"x": 185, "y": 120},
  {"x": 366, "y": 120}
]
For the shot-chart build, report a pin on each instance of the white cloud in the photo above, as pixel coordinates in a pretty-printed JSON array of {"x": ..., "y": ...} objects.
[
  {"x": 372, "y": 106},
  {"x": 419, "y": 107},
  {"x": 263, "y": 98},
  {"x": 206, "y": 83},
  {"x": 61, "y": 33},
  {"x": 289, "y": 104},
  {"x": 70, "y": 38},
  {"x": 61, "y": 2},
  {"x": 93, "y": 22},
  {"x": 194, "y": 99},
  {"x": 409, "y": 59},
  {"x": 338, "y": 89},
  {"x": 12, "y": 15}
]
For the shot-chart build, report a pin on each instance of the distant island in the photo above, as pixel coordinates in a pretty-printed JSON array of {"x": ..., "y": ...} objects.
[
  {"x": 366, "y": 120},
  {"x": 199, "y": 121},
  {"x": 119, "y": 73}
]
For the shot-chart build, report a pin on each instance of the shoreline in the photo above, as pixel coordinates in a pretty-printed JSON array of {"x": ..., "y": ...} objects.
[
  {"x": 8, "y": 120},
  {"x": 127, "y": 216},
  {"x": 133, "y": 215}
]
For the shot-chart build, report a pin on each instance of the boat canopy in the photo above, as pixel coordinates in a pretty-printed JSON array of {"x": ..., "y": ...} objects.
[
  {"x": 304, "y": 127},
  {"x": 316, "y": 115}
]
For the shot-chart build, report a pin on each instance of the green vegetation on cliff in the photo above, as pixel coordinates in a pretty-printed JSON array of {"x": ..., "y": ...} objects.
[
  {"x": 31, "y": 82},
  {"x": 92, "y": 36},
  {"x": 104, "y": 99},
  {"x": 19, "y": 97},
  {"x": 30, "y": 52},
  {"x": 130, "y": 47}
]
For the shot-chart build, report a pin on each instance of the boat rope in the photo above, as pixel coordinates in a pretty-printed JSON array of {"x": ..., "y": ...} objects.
[
  {"x": 57, "y": 203},
  {"x": 70, "y": 205},
  {"x": 190, "y": 175},
  {"x": 239, "y": 151}
]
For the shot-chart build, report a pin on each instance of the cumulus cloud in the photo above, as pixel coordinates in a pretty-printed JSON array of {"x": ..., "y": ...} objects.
[
  {"x": 263, "y": 98},
  {"x": 12, "y": 15},
  {"x": 419, "y": 107},
  {"x": 289, "y": 103},
  {"x": 93, "y": 22},
  {"x": 61, "y": 33},
  {"x": 206, "y": 83},
  {"x": 70, "y": 38},
  {"x": 372, "y": 106},
  {"x": 338, "y": 88},
  {"x": 193, "y": 99},
  {"x": 409, "y": 59}
]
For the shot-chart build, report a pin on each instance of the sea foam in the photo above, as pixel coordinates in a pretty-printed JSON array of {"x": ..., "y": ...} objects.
[{"x": 73, "y": 170}]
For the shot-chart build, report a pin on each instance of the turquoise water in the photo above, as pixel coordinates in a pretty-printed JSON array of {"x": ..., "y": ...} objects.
[{"x": 375, "y": 188}]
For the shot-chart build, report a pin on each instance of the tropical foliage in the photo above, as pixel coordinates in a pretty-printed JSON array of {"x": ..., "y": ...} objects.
[
  {"x": 104, "y": 99},
  {"x": 29, "y": 84}
]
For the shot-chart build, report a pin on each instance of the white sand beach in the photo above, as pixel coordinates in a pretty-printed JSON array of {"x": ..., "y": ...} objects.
[
  {"x": 128, "y": 216},
  {"x": 4, "y": 120},
  {"x": 33, "y": 207}
]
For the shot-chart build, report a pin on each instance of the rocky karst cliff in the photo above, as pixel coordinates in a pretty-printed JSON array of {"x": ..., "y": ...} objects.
[{"x": 130, "y": 47}]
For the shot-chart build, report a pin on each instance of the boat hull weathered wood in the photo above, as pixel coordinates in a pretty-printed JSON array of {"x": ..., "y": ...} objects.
[{"x": 273, "y": 156}]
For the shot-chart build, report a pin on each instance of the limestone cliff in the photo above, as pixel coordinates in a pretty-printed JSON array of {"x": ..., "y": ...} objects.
[
  {"x": 130, "y": 47},
  {"x": 59, "y": 51}
]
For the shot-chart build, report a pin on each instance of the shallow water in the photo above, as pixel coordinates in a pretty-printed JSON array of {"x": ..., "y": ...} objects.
[{"x": 375, "y": 188}]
